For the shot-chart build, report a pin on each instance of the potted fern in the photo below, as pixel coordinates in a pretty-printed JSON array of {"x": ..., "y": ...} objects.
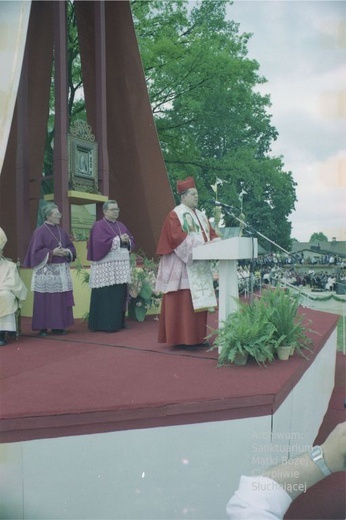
[
  {"x": 245, "y": 333},
  {"x": 290, "y": 332}
]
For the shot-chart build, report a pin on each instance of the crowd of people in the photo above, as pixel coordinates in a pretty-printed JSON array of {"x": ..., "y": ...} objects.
[
  {"x": 255, "y": 279},
  {"x": 294, "y": 269},
  {"x": 270, "y": 260},
  {"x": 318, "y": 280}
]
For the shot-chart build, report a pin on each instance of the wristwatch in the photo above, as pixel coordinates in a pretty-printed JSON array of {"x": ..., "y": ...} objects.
[{"x": 316, "y": 455}]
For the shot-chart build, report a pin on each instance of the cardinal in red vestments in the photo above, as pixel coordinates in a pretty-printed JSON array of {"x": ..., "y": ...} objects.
[{"x": 183, "y": 321}]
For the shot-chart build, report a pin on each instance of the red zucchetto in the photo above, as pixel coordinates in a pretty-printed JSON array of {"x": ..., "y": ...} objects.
[{"x": 186, "y": 184}]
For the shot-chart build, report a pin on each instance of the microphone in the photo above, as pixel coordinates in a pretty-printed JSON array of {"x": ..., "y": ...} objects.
[{"x": 221, "y": 204}]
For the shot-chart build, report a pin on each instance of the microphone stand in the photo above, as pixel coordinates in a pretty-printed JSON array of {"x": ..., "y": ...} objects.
[{"x": 250, "y": 230}]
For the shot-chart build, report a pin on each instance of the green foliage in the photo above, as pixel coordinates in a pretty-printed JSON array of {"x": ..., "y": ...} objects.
[
  {"x": 260, "y": 327},
  {"x": 318, "y": 237},
  {"x": 143, "y": 296},
  {"x": 246, "y": 331},
  {"x": 82, "y": 273},
  {"x": 289, "y": 327},
  {"x": 142, "y": 287},
  {"x": 211, "y": 121},
  {"x": 341, "y": 334}
]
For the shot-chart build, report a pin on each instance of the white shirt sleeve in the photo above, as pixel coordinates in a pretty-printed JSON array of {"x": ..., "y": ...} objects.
[{"x": 258, "y": 498}]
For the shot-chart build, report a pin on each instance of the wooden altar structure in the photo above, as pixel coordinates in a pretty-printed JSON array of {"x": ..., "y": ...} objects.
[{"x": 130, "y": 163}]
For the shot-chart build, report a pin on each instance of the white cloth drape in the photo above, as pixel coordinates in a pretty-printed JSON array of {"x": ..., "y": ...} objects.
[{"x": 14, "y": 21}]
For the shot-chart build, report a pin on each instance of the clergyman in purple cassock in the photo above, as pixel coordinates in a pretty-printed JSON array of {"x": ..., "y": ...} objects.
[
  {"x": 49, "y": 254},
  {"x": 109, "y": 248}
]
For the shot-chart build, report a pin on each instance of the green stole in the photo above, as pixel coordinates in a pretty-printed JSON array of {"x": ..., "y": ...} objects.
[{"x": 199, "y": 272}]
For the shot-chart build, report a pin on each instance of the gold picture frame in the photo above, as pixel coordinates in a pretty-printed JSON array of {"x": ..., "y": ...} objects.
[{"x": 83, "y": 164}]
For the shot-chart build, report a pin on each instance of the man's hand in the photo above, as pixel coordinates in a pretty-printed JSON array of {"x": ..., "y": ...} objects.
[
  {"x": 60, "y": 251},
  {"x": 334, "y": 448}
]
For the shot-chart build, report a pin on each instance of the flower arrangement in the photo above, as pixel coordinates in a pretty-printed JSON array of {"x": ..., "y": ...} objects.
[{"x": 143, "y": 296}]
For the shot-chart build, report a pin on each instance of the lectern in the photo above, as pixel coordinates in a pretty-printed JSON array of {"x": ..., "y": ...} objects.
[{"x": 228, "y": 252}]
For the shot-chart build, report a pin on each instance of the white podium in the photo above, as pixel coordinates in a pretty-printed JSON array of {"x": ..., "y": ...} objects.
[{"x": 228, "y": 252}]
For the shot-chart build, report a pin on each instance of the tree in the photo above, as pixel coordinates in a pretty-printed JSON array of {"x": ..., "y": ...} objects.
[
  {"x": 318, "y": 237},
  {"x": 211, "y": 122}
]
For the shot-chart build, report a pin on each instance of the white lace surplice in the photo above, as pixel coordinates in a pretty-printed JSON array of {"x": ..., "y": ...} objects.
[
  {"x": 112, "y": 269},
  {"x": 51, "y": 278},
  {"x": 178, "y": 271}
]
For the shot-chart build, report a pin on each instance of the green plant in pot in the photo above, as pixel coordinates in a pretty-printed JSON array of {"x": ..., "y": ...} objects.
[
  {"x": 290, "y": 332},
  {"x": 143, "y": 296},
  {"x": 247, "y": 332}
]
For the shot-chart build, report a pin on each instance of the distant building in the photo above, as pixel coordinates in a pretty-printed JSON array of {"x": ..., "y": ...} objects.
[{"x": 321, "y": 250}]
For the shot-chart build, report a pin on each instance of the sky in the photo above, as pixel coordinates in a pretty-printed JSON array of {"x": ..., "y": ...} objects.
[{"x": 301, "y": 49}]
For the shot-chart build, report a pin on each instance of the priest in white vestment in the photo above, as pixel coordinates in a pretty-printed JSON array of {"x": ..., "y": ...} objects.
[{"x": 12, "y": 291}]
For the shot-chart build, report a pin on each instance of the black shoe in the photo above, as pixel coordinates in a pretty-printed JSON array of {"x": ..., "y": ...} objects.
[
  {"x": 59, "y": 331},
  {"x": 203, "y": 345},
  {"x": 2, "y": 339},
  {"x": 43, "y": 333},
  {"x": 186, "y": 347}
]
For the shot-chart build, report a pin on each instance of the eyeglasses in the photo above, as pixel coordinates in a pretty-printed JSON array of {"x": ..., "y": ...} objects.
[{"x": 113, "y": 209}]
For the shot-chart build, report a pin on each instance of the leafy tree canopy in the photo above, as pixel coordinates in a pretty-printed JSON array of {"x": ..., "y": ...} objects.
[
  {"x": 211, "y": 122},
  {"x": 318, "y": 237}
]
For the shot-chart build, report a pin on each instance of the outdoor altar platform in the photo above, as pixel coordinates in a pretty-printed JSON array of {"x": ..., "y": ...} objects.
[
  {"x": 86, "y": 382},
  {"x": 89, "y": 415}
]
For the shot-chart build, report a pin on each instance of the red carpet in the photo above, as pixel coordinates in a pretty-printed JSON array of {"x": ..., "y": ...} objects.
[{"x": 87, "y": 382}]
